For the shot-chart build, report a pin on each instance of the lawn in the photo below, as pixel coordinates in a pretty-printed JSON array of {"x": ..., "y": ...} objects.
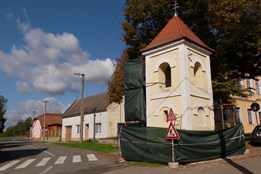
[{"x": 92, "y": 145}]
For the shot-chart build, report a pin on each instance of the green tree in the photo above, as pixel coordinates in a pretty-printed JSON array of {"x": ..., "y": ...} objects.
[
  {"x": 236, "y": 26},
  {"x": 23, "y": 126},
  {"x": 3, "y": 102},
  {"x": 144, "y": 20},
  {"x": 232, "y": 28},
  {"x": 116, "y": 84}
]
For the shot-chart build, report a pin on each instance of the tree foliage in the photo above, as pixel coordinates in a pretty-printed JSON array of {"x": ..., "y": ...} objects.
[
  {"x": 21, "y": 128},
  {"x": 232, "y": 28},
  {"x": 116, "y": 85},
  {"x": 236, "y": 26},
  {"x": 3, "y": 102}
]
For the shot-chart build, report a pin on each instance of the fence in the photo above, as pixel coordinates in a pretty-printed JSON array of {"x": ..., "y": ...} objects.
[
  {"x": 149, "y": 144},
  {"x": 52, "y": 135}
]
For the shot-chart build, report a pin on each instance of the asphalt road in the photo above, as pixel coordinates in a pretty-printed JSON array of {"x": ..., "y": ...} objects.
[{"x": 23, "y": 156}]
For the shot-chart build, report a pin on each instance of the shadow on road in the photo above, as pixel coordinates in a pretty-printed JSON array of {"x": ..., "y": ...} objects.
[
  {"x": 10, "y": 150},
  {"x": 16, "y": 154},
  {"x": 237, "y": 166}
]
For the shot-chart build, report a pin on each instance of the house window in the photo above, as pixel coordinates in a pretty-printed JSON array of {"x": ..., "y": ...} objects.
[
  {"x": 165, "y": 74},
  {"x": 97, "y": 128},
  {"x": 201, "y": 117},
  {"x": 259, "y": 115},
  {"x": 249, "y": 115},
  {"x": 248, "y": 84},
  {"x": 226, "y": 115},
  {"x": 198, "y": 75},
  {"x": 257, "y": 87},
  {"x": 237, "y": 115},
  {"x": 77, "y": 129},
  {"x": 166, "y": 115}
]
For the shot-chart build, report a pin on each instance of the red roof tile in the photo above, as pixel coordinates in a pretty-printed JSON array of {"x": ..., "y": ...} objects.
[
  {"x": 50, "y": 119},
  {"x": 175, "y": 30}
]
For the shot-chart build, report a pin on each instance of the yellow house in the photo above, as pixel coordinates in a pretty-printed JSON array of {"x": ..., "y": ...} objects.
[
  {"x": 178, "y": 76},
  {"x": 242, "y": 109}
]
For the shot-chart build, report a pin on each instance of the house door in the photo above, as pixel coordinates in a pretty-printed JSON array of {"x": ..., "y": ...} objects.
[
  {"x": 68, "y": 133},
  {"x": 86, "y": 132}
]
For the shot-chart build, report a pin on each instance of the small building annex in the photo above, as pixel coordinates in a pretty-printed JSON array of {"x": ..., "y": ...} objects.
[
  {"x": 47, "y": 126},
  {"x": 100, "y": 118}
]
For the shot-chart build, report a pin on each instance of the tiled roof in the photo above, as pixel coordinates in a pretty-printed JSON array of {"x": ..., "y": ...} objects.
[
  {"x": 175, "y": 30},
  {"x": 96, "y": 103},
  {"x": 50, "y": 119}
]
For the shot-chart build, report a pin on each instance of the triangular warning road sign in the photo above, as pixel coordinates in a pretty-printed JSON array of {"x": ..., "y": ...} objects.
[
  {"x": 172, "y": 132},
  {"x": 171, "y": 116}
]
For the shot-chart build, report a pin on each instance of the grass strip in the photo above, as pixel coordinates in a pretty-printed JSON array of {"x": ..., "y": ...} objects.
[{"x": 92, "y": 145}]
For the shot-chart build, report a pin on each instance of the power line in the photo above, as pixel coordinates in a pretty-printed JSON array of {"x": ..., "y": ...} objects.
[{"x": 107, "y": 34}]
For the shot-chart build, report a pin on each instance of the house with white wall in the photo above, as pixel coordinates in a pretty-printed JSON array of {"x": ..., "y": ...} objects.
[
  {"x": 100, "y": 118},
  {"x": 47, "y": 126}
]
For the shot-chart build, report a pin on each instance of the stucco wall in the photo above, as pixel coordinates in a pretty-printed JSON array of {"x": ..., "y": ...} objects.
[
  {"x": 245, "y": 103},
  {"x": 184, "y": 94},
  {"x": 36, "y": 130},
  {"x": 116, "y": 115},
  {"x": 101, "y": 117}
]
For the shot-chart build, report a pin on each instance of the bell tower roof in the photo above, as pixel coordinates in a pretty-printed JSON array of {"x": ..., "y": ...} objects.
[{"x": 175, "y": 30}]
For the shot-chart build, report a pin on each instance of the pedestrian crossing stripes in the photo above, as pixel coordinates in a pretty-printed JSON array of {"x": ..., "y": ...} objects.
[
  {"x": 91, "y": 157},
  {"x": 9, "y": 165},
  {"x": 43, "y": 162},
  {"x": 76, "y": 159},
  {"x": 60, "y": 160},
  {"x": 19, "y": 164},
  {"x": 25, "y": 164}
]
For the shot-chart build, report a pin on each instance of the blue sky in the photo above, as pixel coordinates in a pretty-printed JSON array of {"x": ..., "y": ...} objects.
[{"x": 43, "y": 42}]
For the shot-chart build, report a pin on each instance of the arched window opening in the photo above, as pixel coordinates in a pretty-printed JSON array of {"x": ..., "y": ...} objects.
[
  {"x": 198, "y": 75},
  {"x": 165, "y": 74},
  {"x": 201, "y": 117},
  {"x": 166, "y": 115}
]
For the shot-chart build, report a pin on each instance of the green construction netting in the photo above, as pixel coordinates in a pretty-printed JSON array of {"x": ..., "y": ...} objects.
[
  {"x": 149, "y": 144},
  {"x": 134, "y": 92}
]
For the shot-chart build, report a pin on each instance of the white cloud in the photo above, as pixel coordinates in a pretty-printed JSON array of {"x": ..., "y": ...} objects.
[
  {"x": 46, "y": 62},
  {"x": 25, "y": 108},
  {"x": 22, "y": 87}
]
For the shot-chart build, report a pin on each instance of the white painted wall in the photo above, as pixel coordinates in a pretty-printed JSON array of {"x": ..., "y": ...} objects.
[
  {"x": 36, "y": 130},
  {"x": 101, "y": 117}
]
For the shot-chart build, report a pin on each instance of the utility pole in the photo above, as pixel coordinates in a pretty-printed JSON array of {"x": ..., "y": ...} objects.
[
  {"x": 45, "y": 105},
  {"x": 81, "y": 118},
  {"x": 222, "y": 115},
  {"x": 33, "y": 111}
]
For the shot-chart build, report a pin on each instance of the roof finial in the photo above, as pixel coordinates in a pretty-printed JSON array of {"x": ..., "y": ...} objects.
[{"x": 175, "y": 8}]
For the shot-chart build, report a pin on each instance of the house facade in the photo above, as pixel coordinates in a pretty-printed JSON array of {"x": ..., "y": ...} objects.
[
  {"x": 100, "y": 119},
  {"x": 178, "y": 76},
  {"x": 47, "y": 127},
  {"x": 242, "y": 108}
]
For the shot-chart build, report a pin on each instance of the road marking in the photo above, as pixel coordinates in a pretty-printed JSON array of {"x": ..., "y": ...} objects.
[
  {"x": 43, "y": 161},
  {"x": 25, "y": 164},
  {"x": 46, "y": 170},
  {"x": 45, "y": 151},
  {"x": 48, "y": 153},
  {"x": 60, "y": 160},
  {"x": 77, "y": 159},
  {"x": 9, "y": 165},
  {"x": 91, "y": 157}
]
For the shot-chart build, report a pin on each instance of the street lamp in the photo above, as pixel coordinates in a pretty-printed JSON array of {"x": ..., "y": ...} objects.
[
  {"x": 81, "y": 118},
  {"x": 45, "y": 105}
]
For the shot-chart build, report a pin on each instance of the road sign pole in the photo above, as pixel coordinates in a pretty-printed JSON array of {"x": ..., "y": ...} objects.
[{"x": 172, "y": 143}]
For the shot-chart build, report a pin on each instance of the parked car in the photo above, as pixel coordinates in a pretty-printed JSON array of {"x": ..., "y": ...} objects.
[{"x": 256, "y": 134}]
